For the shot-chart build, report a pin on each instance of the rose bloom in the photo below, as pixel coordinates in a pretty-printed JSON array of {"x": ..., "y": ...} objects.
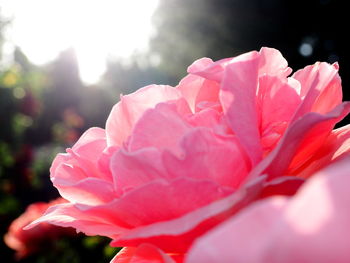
[
  {"x": 174, "y": 162},
  {"x": 27, "y": 242}
]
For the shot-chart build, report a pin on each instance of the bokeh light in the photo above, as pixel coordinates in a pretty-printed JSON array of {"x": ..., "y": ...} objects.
[{"x": 95, "y": 29}]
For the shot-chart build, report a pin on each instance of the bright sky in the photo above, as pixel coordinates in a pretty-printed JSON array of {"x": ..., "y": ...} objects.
[{"x": 96, "y": 29}]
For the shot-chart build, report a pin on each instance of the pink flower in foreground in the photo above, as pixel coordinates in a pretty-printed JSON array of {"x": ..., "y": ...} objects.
[
  {"x": 312, "y": 226},
  {"x": 27, "y": 242},
  {"x": 174, "y": 162}
]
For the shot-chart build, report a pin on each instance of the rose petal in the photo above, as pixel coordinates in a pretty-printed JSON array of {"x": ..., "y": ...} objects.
[
  {"x": 134, "y": 169},
  {"x": 91, "y": 144},
  {"x": 317, "y": 135},
  {"x": 209, "y": 118},
  {"x": 320, "y": 89},
  {"x": 103, "y": 163},
  {"x": 300, "y": 141},
  {"x": 336, "y": 146},
  {"x": 142, "y": 254},
  {"x": 161, "y": 127},
  {"x": 90, "y": 191},
  {"x": 196, "y": 89},
  {"x": 200, "y": 64},
  {"x": 238, "y": 99},
  {"x": 211, "y": 71},
  {"x": 85, "y": 154},
  {"x": 79, "y": 180},
  {"x": 277, "y": 100},
  {"x": 67, "y": 215},
  {"x": 131, "y": 107},
  {"x": 273, "y": 63}
]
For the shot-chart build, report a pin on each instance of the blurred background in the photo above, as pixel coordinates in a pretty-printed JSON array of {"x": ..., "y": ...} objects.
[{"x": 63, "y": 65}]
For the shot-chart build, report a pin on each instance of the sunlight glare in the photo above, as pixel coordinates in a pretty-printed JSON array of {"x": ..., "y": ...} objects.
[{"x": 96, "y": 29}]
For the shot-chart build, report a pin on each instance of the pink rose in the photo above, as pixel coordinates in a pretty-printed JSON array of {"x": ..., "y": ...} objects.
[
  {"x": 173, "y": 163},
  {"x": 312, "y": 226},
  {"x": 33, "y": 240}
]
